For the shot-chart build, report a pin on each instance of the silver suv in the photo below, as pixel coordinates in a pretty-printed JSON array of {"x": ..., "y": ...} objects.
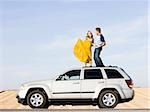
[{"x": 102, "y": 86}]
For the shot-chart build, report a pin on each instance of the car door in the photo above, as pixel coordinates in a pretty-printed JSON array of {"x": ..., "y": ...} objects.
[
  {"x": 92, "y": 79},
  {"x": 67, "y": 85}
]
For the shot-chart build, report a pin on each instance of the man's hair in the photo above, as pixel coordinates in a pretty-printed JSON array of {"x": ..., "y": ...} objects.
[{"x": 98, "y": 29}]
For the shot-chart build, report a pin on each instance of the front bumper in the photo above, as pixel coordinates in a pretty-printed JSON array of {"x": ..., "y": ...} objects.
[{"x": 21, "y": 100}]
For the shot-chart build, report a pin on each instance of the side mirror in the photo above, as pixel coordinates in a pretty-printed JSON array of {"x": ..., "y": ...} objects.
[{"x": 59, "y": 78}]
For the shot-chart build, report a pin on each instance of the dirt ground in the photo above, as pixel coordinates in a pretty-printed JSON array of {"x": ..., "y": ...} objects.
[{"x": 141, "y": 101}]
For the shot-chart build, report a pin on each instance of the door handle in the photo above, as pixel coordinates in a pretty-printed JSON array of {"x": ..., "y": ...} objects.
[
  {"x": 76, "y": 83},
  {"x": 100, "y": 82}
]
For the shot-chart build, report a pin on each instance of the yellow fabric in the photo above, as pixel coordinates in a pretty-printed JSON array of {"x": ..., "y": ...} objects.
[{"x": 82, "y": 50}]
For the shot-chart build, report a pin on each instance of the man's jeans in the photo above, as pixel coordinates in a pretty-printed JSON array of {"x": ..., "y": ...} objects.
[{"x": 97, "y": 58}]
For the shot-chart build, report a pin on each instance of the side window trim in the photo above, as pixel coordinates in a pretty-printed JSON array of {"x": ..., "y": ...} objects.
[{"x": 103, "y": 73}]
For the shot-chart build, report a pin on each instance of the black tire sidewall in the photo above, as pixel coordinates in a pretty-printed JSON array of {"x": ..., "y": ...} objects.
[
  {"x": 100, "y": 102},
  {"x": 43, "y": 105}
]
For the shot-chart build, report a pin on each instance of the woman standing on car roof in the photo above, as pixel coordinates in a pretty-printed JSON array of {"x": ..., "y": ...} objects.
[{"x": 89, "y": 40}]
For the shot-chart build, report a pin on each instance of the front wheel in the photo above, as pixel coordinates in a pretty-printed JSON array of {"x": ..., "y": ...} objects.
[
  {"x": 37, "y": 99},
  {"x": 108, "y": 99}
]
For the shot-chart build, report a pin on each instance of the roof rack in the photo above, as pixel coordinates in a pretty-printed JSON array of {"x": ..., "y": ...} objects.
[
  {"x": 95, "y": 66},
  {"x": 111, "y": 66}
]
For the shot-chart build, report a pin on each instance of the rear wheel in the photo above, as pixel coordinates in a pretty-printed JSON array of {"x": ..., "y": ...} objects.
[
  {"x": 37, "y": 99},
  {"x": 108, "y": 99}
]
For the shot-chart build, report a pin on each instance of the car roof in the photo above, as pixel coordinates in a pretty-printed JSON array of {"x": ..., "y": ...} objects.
[{"x": 94, "y": 67}]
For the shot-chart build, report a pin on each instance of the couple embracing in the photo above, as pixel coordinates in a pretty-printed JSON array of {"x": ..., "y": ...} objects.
[{"x": 97, "y": 42}]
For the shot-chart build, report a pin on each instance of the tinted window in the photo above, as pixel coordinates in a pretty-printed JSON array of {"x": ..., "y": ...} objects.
[
  {"x": 71, "y": 75},
  {"x": 126, "y": 73},
  {"x": 93, "y": 74},
  {"x": 111, "y": 73}
]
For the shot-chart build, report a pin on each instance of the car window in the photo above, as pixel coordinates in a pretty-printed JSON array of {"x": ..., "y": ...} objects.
[
  {"x": 111, "y": 73},
  {"x": 71, "y": 75},
  {"x": 93, "y": 74},
  {"x": 126, "y": 73}
]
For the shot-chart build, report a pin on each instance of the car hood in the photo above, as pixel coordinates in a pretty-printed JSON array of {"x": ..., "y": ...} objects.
[{"x": 41, "y": 82}]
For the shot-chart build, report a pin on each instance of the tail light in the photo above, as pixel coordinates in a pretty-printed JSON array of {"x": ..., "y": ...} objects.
[{"x": 129, "y": 83}]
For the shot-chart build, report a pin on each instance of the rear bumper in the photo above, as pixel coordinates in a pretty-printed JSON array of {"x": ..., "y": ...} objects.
[
  {"x": 130, "y": 97},
  {"x": 21, "y": 100},
  {"x": 126, "y": 100},
  {"x": 128, "y": 93}
]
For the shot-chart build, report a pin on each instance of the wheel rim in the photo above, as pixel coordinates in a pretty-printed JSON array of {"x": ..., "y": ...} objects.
[
  {"x": 109, "y": 99},
  {"x": 36, "y": 99}
]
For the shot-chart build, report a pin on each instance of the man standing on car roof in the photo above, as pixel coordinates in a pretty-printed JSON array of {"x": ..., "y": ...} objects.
[{"x": 99, "y": 42}]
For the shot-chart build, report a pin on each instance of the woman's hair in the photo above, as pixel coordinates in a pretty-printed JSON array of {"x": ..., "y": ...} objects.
[
  {"x": 87, "y": 36},
  {"x": 91, "y": 34}
]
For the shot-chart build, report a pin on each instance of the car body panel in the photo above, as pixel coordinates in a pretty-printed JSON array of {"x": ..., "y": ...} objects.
[{"x": 66, "y": 89}]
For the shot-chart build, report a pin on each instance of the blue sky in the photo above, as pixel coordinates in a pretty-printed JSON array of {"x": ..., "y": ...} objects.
[{"x": 37, "y": 37}]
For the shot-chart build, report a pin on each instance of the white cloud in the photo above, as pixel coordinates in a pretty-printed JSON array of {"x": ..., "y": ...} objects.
[
  {"x": 135, "y": 63},
  {"x": 17, "y": 70},
  {"x": 128, "y": 50},
  {"x": 123, "y": 33},
  {"x": 134, "y": 57},
  {"x": 137, "y": 24},
  {"x": 58, "y": 43},
  {"x": 132, "y": 25},
  {"x": 117, "y": 35}
]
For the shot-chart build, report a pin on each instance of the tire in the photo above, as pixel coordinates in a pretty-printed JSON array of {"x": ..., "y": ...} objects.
[
  {"x": 108, "y": 99},
  {"x": 37, "y": 99}
]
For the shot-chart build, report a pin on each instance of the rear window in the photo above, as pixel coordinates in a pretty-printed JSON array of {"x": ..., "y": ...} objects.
[
  {"x": 93, "y": 74},
  {"x": 112, "y": 74},
  {"x": 126, "y": 73}
]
